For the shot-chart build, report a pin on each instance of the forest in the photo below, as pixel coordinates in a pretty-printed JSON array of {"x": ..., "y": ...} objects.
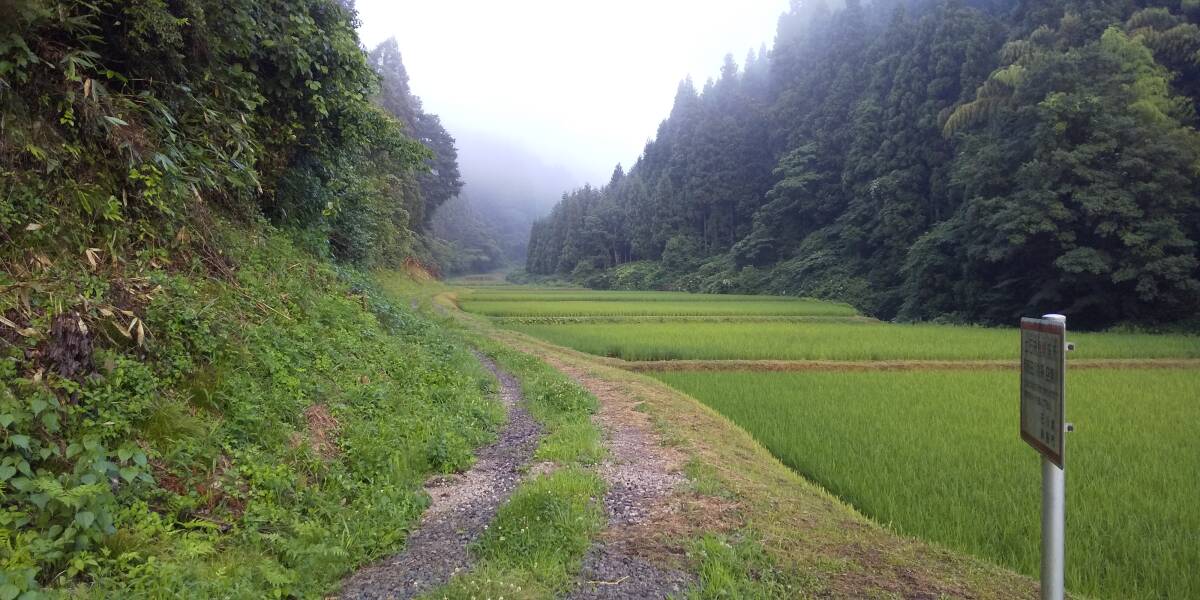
[{"x": 964, "y": 161}]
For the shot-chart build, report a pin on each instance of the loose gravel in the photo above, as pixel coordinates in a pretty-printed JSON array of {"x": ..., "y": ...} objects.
[
  {"x": 462, "y": 506},
  {"x": 642, "y": 476}
]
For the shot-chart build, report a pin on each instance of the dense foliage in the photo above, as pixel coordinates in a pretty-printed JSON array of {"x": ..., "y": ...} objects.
[
  {"x": 192, "y": 402},
  {"x": 967, "y": 160}
]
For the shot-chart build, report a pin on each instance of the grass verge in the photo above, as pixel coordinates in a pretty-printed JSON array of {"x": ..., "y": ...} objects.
[{"x": 819, "y": 546}]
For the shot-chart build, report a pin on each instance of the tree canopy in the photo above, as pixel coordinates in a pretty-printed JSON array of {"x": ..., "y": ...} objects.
[{"x": 975, "y": 161}]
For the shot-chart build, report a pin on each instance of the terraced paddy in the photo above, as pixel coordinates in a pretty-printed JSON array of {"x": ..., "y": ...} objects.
[
  {"x": 841, "y": 340},
  {"x": 936, "y": 454},
  {"x": 916, "y": 425}
]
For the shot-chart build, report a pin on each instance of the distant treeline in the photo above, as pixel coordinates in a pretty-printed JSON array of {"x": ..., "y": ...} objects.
[{"x": 964, "y": 160}]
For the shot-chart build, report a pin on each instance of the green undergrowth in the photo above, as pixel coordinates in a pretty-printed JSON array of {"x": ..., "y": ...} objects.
[{"x": 246, "y": 422}]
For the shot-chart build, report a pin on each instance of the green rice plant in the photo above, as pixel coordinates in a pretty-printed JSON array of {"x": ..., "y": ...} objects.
[
  {"x": 836, "y": 341},
  {"x": 539, "y": 294},
  {"x": 625, "y": 320},
  {"x": 682, "y": 307},
  {"x": 936, "y": 454}
]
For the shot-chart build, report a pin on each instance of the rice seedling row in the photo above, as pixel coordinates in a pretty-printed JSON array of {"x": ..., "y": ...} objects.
[
  {"x": 840, "y": 340},
  {"x": 937, "y": 455}
]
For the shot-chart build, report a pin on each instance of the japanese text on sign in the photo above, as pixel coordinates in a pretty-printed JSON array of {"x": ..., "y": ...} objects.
[{"x": 1043, "y": 367}]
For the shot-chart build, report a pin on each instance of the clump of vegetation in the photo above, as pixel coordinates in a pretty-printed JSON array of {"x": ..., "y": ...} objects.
[
  {"x": 536, "y": 543},
  {"x": 936, "y": 454},
  {"x": 546, "y": 526},
  {"x": 739, "y": 568},
  {"x": 561, "y": 406}
]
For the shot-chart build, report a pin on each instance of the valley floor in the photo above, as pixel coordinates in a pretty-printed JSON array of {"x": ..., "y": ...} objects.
[{"x": 694, "y": 507}]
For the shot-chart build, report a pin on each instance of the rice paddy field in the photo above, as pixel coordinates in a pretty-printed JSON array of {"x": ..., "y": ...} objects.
[
  {"x": 936, "y": 455},
  {"x": 931, "y": 451},
  {"x": 817, "y": 340},
  {"x": 569, "y": 303}
]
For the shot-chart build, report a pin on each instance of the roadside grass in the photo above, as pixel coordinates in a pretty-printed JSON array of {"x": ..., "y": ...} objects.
[
  {"x": 936, "y": 454},
  {"x": 562, "y": 407},
  {"x": 701, "y": 306},
  {"x": 739, "y": 567},
  {"x": 835, "y": 341},
  {"x": 546, "y": 526},
  {"x": 536, "y": 544}
]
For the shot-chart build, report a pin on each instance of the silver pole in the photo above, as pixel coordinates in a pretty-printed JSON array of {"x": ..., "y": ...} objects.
[
  {"x": 1054, "y": 516},
  {"x": 1053, "y": 529}
]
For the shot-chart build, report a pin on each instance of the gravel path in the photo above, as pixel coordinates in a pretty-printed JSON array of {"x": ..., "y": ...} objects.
[
  {"x": 642, "y": 476},
  {"x": 463, "y": 505}
]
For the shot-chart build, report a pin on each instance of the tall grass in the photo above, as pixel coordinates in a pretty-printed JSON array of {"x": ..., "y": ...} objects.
[
  {"x": 937, "y": 454},
  {"x": 835, "y": 341}
]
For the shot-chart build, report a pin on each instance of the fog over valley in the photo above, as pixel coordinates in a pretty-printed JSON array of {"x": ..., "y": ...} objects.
[{"x": 567, "y": 89}]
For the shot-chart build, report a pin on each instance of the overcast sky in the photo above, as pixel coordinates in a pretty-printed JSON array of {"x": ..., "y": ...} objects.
[{"x": 581, "y": 83}]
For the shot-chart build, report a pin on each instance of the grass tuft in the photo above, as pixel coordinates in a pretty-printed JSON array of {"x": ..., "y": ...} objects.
[{"x": 546, "y": 526}]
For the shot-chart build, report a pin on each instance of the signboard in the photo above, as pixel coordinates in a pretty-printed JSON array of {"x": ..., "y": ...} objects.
[{"x": 1043, "y": 386}]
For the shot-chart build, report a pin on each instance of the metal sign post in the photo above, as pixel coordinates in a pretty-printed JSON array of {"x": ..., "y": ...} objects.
[{"x": 1043, "y": 426}]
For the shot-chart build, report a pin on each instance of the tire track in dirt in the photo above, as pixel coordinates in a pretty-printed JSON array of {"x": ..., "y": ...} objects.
[
  {"x": 643, "y": 479},
  {"x": 462, "y": 506}
]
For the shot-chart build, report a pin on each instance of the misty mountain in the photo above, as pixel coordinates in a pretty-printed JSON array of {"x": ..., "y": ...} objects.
[{"x": 506, "y": 188}]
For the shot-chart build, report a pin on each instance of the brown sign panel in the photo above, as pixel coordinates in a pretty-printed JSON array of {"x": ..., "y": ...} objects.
[{"x": 1043, "y": 386}]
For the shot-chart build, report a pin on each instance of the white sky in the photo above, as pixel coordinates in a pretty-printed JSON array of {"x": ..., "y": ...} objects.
[{"x": 581, "y": 83}]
